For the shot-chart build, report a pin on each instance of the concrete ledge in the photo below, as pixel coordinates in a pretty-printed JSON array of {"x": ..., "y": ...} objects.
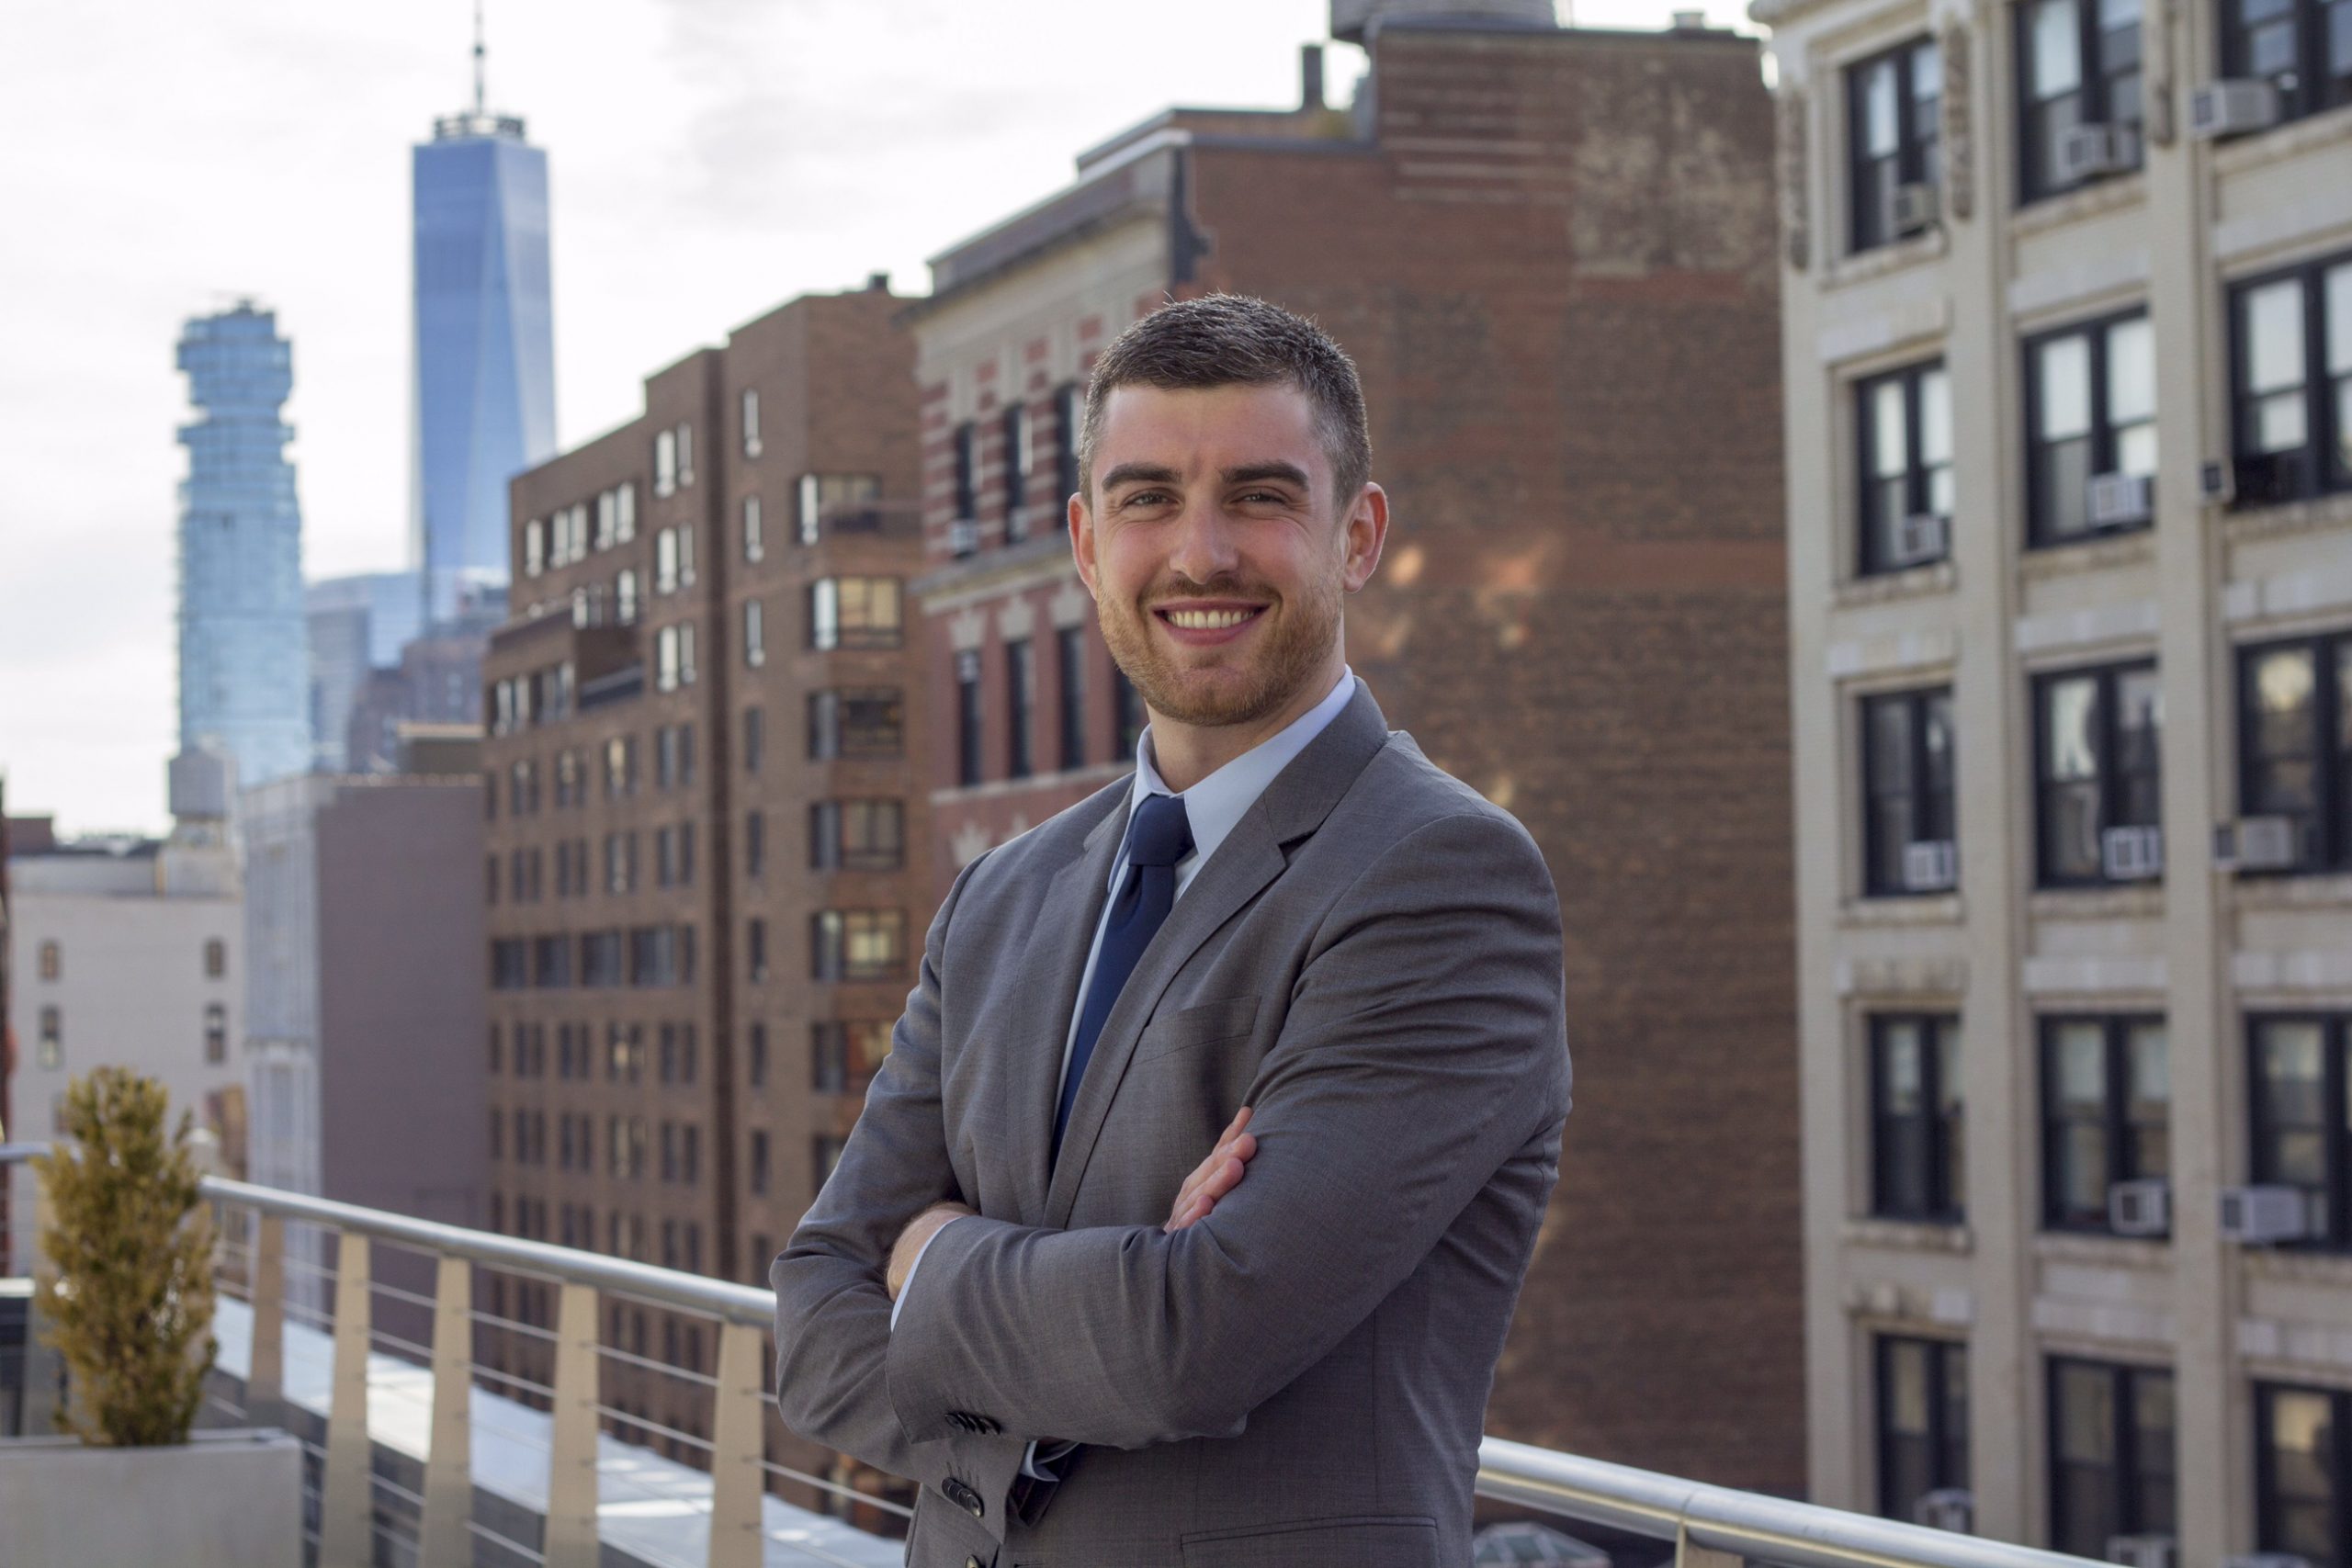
[{"x": 220, "y": 1500}]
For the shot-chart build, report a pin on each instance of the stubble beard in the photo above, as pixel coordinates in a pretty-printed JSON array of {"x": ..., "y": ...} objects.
[{"x": 1298, "y": 637}]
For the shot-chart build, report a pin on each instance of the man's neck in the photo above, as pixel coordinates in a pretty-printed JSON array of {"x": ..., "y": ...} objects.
[{"x": 1184, "y": 755}]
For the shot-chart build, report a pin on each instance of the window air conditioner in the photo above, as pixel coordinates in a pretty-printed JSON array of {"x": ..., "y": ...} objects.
[
  {"x": 2144, "y": 1550},
  {"x": 1946, "y": 1508},
  {"x": 2131, "y": 855},
  {"x": 1919, "y": 537},
  {"x": 1911, "y": 208},
  {"x": 2269, "y": 844},
  {"x": 2231, "y": 109},
  {"x": 2119, "y": 500},
  {"x": 2088, "y": 152},
  {"x": 2139, "y": 1208},
  {"x": 2259, "y": 1216},
  {"x": 964, "y": 535},
  {"x": 1929, "y": 867}
]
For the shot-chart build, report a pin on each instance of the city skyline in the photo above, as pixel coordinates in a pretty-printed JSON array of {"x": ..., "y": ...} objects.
[{"x": 745, "y": 141}]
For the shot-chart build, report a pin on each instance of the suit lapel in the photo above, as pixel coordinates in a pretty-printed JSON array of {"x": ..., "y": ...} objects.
[
  {"x": 1064, "y": 932},
  {"x": 1253, "y": 856}
]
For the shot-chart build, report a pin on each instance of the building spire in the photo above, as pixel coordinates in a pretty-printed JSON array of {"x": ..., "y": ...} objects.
[{"x": 480, "y": 53}]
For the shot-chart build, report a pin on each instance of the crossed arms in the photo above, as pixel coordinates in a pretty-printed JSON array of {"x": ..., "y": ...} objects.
[{"x": 1420, "y": 1049}]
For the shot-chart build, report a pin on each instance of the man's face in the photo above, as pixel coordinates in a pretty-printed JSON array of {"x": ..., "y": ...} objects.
[{"x": 1214, "y": 551}]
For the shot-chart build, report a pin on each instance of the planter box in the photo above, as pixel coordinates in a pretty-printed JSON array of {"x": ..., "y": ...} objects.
[{"x": 220, "y": 1500}]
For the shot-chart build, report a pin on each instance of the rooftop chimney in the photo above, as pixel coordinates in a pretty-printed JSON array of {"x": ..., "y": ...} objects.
[
  {"x": 1310, "y": 76},
  {"x": 1690, "y": 21},
  {"x": 877, "y": 283}
]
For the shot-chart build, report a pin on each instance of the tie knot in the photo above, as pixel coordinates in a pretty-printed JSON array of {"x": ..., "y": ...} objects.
[{"x": 1162, "y": 835}]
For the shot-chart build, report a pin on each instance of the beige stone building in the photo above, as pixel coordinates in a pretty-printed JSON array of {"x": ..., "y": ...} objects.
[{"x": 2068, "y": 356}]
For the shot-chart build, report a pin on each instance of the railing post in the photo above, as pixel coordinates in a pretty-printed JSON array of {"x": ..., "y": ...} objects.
[
  {"x": 1688, "y": 1554},
  {"x": 736, "y": 1432},
  {"x": 265, "y": 1373},
  {"x": 571, "y": 1539},
  {"x": 346, "y": 1503},
  {"x": 445, "y": 1542},
  {"x": 44, "y": 1368}
]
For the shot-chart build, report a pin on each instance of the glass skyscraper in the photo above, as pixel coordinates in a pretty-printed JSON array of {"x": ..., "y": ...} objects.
[
  {"x": 243, "y": 673},
  {"x": 485, "y": 353}
]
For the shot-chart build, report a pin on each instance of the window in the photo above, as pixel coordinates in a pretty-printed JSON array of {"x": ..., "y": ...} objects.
[
  {"x": 838, "y": 504},
  {"x": 2303, "y": 48},
  {"x": 845, "y": 1053},
  {"x": 1903, "y": 425},
  {"x": 665, "y": 462},
  {"x": 855, "y": 723},
  {"x": 1908, "y": 826},
  {"x": 969, "y": 716},
  {"x": 750, "y": 406},
  {"x": 1922, "y": 1422},
  {"x": 1918, "y": 1143},
  {"x": 755, "y": 1055},
  {"x": 967, "y": 475},
  {"x": 2097, "y": 736},
  {"x": 510, "y": 961},
  {"x": 1128, "y": 713},
  {"x": 2303, "y": 1471},
  {"x": 857, "y": 944},
  {"x": 2302, "y": 1116},
  {"x": 2111, "y": 1460},
  {"x": 2106, "y": 1117},
  {"x": 1021, "y": 708},
  {"x": 755, "y": 648},
  {"x": 53, "y": 960},
  {"x": 856, "y": 835},
  {"x": 625, "y": 596},
  {"x": 754, "y": 740},
  {"x": 216, "y": 1034},
  {"x": 1019, "y": 458},
  {"x": 2078, "y": 66},
  {"x": 755, "y": 546},
  {"x": 51, "y": 1052},
  {"x": 625, "y": 509},
  {"x": 756, "y": 949},
  {"x": 535, "y": 547},
  {"x": 758, "y": 1161},
  {"x": 1894, "y": 102},
  {"x": 620, "y": 766},
  {"x": 2090, "y": 400},
  {"x": 2291, "y": 428},
  {"x": 1069, "y": 408},
  {"x": 1071, "y": 646},
  {"x": 756, "y": 845},
  {"x": 607, "y": 521},
  {"x": 674, "y": 657},
  {"x": 824, "y": 1154},
  {"x": 2295, "y": 749},
  {"x": 854, "y": 612}
]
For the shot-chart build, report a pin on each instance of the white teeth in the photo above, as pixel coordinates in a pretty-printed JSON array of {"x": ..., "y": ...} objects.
[{"x": 1208, "y": 620}]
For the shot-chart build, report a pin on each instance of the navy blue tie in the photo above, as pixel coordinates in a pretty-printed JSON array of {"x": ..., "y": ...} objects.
[{"x": 1157, "y": 840}]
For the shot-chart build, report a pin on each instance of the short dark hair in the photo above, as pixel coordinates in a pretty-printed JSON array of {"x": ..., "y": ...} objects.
[{"x": 1227, "y": 340}]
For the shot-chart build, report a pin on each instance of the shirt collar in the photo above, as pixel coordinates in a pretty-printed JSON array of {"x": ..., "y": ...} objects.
[{"x": 1214, "y": 806}]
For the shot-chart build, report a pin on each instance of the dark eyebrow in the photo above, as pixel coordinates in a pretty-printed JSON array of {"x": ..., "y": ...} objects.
[
  {"x": 1127, "y": 473},
  {"x": 1252, "y": 473}
]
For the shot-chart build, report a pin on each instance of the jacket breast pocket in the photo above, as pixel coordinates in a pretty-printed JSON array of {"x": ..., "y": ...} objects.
[
  {"x": 1363, "y": 1541},
  {"x": 1188, "y": 1028}
]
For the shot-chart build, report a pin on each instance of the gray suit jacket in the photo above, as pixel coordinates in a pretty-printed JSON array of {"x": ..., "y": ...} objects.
[{"x": 1372, "y": 961}]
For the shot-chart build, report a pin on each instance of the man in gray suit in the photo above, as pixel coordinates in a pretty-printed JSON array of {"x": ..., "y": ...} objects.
[{"x": 1186, "y": 1215}]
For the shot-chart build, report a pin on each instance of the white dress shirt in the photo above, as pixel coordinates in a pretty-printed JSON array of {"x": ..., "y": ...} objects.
[{"x": 1213, "y": 808}]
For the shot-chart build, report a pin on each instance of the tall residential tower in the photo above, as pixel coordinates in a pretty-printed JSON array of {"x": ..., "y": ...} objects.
[
  {"x": 242, "y": 664},
  {"x": 485, "y": 356}
]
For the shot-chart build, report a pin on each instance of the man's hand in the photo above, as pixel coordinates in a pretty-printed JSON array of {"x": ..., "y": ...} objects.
[
  {"x": 920, "y": 1229},
  {"x": 1214, "y": 1177}
]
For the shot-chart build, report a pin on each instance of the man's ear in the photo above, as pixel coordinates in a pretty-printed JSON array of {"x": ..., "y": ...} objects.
[
  {"x": 1081, "y": 539},
  {"x": 1366, "y": 531}
]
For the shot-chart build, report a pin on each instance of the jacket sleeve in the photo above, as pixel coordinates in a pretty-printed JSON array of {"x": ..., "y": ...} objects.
[
  {"x": 832, "y": 1315},
  {"x": 1423, "y": 1047}
]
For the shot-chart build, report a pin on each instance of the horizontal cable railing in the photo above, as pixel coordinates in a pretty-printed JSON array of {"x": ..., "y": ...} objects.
[{"x": 1711, "y": 1526}]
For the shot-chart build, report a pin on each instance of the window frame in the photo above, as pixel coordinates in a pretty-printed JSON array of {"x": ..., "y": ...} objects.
[
  {"x": 2334, "y": 1195},
  {"x": 2313, "y": 92},
  {"x": 1941, "y": 1446},
  {"x": 2317, "y": 467},
  {"x": 2326, "y": 830},
  {"x": 2268, "y": 1534},
  {"x": 2119, "y": 1149},
  {"x": 2104, "y": 437},
  {"x": 2095, "y": 90},
  {"x": 1020, "y": 707},
  {"x": 1069, "y": 415},
  {"x": 1917, "y": 158},
  {"x": 2111, "y": 775},
  {"x": 971, "y": 710},
  {"x": 1872, "y": 532},
  {"x": 1017, "y": 433},
  {"x": 1943, "y": 1181},
  {"x": 1069, "y": 647},
  {"x": 1925, "y": 797},
  {"x": 2127, "y": 1470},
  {"x": 878, "y": 622}
]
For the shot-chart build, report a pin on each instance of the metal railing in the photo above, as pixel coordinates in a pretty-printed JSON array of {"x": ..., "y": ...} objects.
[{"x": 1711, "y": 1526}]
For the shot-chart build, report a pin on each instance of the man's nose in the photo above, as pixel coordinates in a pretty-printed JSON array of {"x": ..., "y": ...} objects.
[{"x": 1204, "y": 548}]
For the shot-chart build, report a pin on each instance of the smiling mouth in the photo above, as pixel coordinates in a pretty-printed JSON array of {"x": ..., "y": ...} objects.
[{"x": 1210, "y": 620}]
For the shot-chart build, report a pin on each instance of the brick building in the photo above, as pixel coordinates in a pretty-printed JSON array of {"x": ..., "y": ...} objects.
[
  {"x": 1551, "y": 254},
  {"x": 702, "y": 905}
]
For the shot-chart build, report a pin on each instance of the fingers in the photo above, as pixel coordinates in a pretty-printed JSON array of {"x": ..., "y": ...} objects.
[
  {"x": 1211, "y": 1183},
  {"x": 1241, "y": 1144}
]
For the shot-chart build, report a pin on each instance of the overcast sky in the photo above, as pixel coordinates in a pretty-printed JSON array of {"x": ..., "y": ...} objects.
[{"x": 709, "y": 159}]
